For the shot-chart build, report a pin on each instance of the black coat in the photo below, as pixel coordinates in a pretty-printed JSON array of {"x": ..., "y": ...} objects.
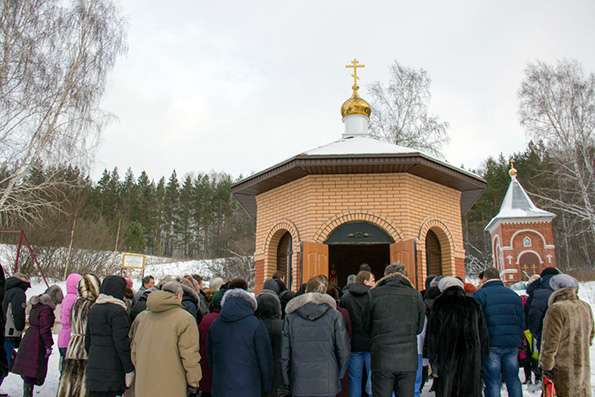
[
  {"x": 269, "y": 311},
  {"x": 393, "y": 317},
  {"x": 354, "y": 300},
  {"x": 539, "y": 294},
  {"x": 239, "y": 349},
  {"x": 106, "y": 340},
  {"x": 15, "y": 297},
  {"x": 458, "y": 339},
  {"x": 314, "y": 346}
]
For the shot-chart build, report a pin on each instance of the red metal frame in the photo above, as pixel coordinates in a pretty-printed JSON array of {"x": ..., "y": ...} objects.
[{"x": 21, "y": 237}]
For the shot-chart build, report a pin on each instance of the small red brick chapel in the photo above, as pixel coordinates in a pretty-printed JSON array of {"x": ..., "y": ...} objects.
[{"x": 522, "y": 235}]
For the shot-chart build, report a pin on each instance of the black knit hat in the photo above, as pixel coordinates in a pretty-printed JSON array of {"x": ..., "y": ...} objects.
[
  {"x": 549, "y": 270},
  {"x": 114, "y": 286}
]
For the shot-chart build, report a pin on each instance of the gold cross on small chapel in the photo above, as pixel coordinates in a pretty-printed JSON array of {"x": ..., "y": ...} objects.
[
  {"x": 511, "y": 163},
  {"x": 354, "y": 65}
]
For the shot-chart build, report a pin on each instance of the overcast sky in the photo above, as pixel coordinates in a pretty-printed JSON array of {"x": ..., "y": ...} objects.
[{"x": 238, "y": 86}]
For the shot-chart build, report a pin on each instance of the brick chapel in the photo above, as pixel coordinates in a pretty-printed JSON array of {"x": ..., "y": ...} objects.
[
  {"x": 522, "y": 235},
  {"x": 358, "y": 200}
]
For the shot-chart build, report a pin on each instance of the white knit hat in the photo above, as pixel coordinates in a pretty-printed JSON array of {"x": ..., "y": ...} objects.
[
  {"x": 448, "y": 282},
  {"x": 563, "y": 281}
]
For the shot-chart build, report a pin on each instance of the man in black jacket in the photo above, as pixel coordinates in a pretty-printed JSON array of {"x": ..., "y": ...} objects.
[
  {"x": 14, "y": 305},
  {"x": 392, "y": 318},
  {"x": 354, "y": 300}
]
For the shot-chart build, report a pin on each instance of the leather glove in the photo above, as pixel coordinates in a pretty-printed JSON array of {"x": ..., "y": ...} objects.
[
  {"x": 48, "y": 352},
  {"x": 129, "y": 378},
  {"x": 550, "y": 373},
  {"x": 191, "y": 391}
]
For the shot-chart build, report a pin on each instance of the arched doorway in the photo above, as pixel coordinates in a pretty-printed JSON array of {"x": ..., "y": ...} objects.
[
  {"x": 530, "y": 264},
  {"x": 285, "y": 257},
  {"x": 354, "y": 243},
  {"x": 433, "y": 254}
]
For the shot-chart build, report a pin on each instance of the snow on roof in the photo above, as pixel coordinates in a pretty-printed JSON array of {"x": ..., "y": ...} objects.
[
  {"x": 359, "y": 145},
  {"x": 517, "y": 205}
]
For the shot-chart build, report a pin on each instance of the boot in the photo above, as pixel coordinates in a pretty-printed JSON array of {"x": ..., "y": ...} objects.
[{"x": 28, "y": 390}]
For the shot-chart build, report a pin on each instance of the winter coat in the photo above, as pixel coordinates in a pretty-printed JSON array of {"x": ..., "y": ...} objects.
[
  {"x": 315, "y": 347},
  {"x": 164, "y": 348},
  {"x": 139, "y": 306},
  {"x": 71, "y": 295},
  {"x": 13, "y": 306},
  {"x": 74, "y": 371},
  {"x": 203, "y": 330},
  {"x": 457, "y": 341},
  {"x": 539, "y": 294},
  {"x": 392, "y": 318},
  {"x": 3, "y": 361},
  {"x": 239, "y": 349},
  {"x": 567, "y": 336},
  {"x": 269, "y": 311},
  {"x": 503, "y": 311},
  {"x": 106, "y": 339},
  {"x": 31, "y": 360},
  {"x": 354, "y": 300},
  {"x": 190, "y": 301}
]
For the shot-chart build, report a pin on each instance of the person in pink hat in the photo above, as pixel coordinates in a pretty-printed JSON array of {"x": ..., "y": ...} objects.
[{"x": 65, "y": 307}]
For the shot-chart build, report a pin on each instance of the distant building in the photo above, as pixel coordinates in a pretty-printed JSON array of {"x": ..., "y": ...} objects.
[
  {"x": 358, "y": 200},
  {"x": 522, "y": 235}
]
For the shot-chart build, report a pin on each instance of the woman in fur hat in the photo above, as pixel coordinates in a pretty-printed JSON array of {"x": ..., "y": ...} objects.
[
  {"x": 35, "y": 349},
  {"x": 567, "y": 336},
  {"x": 74, "y": 371}
]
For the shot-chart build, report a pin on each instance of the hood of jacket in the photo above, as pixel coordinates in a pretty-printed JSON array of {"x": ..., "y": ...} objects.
[
  {"x": 397, "y": 279},
  {"x": 72, "y": 282},
  {"x": 563, "y": 294},
  {"x": 13, "y": 282},
  {"x": 311, "y": 305},
  {"x": 272, "y": 285},
  {"x": 160, "y": 301},
  {"x": 358, "y": 289},
  {"x": 269, "y": 305},
  {"x": 114, "y": 286},
  {"x": 89, "y": 287},
  {"x": 44, "y": 299},
  {"x": 236, "y": 305},
  {"x": 190, "y": 292}
]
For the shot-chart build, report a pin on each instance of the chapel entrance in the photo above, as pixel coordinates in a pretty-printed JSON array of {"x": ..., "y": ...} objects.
[
  {"x": 433, "y": 254},
  {"x": 285, "y": 257},
  {"x": 354, "y": 243}
]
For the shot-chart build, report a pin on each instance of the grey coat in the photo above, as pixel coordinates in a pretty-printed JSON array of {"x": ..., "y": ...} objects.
[{"x": 315, "y": 346}]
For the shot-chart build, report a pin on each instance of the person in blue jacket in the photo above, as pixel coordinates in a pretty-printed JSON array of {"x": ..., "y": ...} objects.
[
  {"x": 504, "y": 315},
  {"x": 539, "y": 294},
  {"x": 239, "y": 348}
]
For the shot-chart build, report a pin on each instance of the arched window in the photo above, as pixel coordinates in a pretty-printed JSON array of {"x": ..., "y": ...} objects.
[
  {"x": 527, "y": 242},
  {"x": 285, "y": 257},
  {"x": 433, "y": 254}
]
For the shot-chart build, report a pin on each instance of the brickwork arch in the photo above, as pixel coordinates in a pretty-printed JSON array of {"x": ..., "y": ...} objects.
[
  {"x": 441, "y": 230},
  {"x": 357, "y": 216},
  {"x": 277, "y": 231}
]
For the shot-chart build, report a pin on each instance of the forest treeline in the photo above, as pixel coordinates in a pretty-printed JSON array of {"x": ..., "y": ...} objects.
[{"x": 192, "y": 217}]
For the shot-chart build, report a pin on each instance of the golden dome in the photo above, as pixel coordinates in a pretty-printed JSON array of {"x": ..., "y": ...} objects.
[
  {"x": 512, "y": 171},
  {"x": 355, "y": 105}
]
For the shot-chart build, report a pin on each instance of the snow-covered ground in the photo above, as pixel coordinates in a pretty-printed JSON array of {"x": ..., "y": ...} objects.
[{"x": 13, "y": 384}]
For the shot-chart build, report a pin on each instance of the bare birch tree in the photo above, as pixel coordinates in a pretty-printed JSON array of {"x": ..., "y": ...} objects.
[
  {"x": 557, "y": 105},
  {"x": 400, "y": 113},
  {"x": 54, "y": 59}
]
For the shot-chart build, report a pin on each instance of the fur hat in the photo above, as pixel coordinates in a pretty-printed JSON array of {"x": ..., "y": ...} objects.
[
  {"x": 55, "y": 293},
  {"x": 549, "y": 270},
  {"x": 216, "y": 283},
  {"x": 89, "y": 286},
  {"x": 563, "y": 281},
  {"x": 448, "y": 282},
  {"x": 189, "y": 281}
]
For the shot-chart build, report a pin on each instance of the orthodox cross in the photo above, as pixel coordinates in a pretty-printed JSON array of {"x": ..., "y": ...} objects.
[
  {"x": 355, "y": 65},
  {"x": 525, "y": 267},
  {"x": 534, "y": 268},
  {"x": 511, "y": 163}
]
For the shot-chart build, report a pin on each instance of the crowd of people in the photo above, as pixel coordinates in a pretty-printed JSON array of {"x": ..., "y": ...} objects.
[{"x": 372, "y": 338}]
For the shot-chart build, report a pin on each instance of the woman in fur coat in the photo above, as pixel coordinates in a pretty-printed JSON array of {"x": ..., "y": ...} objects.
[
  {"x": 458, "y": 338},
  {"x": 74, "y": 371},
  {"x": 567, "y": 336},
  {"x": 36, "y": 347}
]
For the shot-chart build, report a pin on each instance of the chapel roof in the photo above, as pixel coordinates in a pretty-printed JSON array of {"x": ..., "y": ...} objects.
[{"x": 517, "y": 206}]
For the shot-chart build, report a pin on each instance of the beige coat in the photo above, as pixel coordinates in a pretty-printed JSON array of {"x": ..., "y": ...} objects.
[
  {"x": 164, "y": 348},
  {"x": 567, "y": 335}
]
